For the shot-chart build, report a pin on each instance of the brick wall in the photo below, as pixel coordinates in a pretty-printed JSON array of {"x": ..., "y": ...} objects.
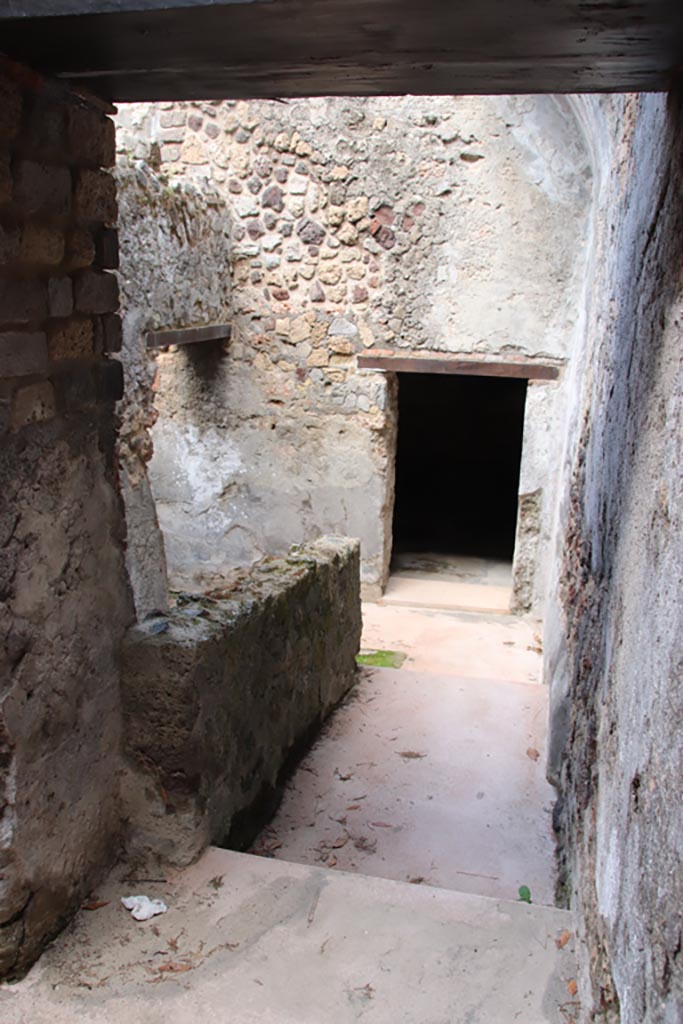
[{"x": 64, "y": 599}]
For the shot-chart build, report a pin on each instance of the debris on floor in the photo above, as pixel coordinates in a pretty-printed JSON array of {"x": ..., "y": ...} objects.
[{"x": 142, "y": 908}]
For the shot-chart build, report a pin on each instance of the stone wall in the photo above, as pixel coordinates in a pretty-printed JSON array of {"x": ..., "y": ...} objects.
[
  {"x": 175, "y": 272},
  {"x": 220, "y": 691},
  {"x": 64, "y": 600},
  {"x": 613, "y": 636},
  {"x": 358, "y": 224}
]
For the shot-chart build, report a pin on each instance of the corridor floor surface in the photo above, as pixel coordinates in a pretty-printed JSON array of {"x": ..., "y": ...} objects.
[{"x": 434, "y": 772}]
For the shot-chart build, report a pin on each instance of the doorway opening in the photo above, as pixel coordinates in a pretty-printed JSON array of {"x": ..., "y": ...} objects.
[{"x": 457, "y": 470}]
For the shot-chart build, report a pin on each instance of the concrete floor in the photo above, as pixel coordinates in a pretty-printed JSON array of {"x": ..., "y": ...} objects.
[
  {"x": 449, "y": 582},
  {"x": 428, "y": 774},
  {"x": 427, "y": 777},
  {"x": 476, "y": 646},
  {"x": 253, "y": 941},
  {"x": 434, "y": 771}
]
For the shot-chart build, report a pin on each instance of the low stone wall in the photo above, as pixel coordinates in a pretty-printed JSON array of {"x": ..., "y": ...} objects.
[{"x": 220, "y": 691}]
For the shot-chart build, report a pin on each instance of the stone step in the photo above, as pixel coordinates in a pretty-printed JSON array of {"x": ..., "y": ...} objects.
[
  {"x": 409, "y": 591},
  {"x": 248, "y": 939}
]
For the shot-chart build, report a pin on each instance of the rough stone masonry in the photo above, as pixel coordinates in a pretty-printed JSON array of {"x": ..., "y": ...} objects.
[
  {"x": 64, "y": 596},
  {"x": 221, "y": 691},
  {"x": 444, "y": 224}
]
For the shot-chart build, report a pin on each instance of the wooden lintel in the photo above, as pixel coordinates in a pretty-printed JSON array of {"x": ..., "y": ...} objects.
[
  {"x": 188, "y": 335},
  {"x": 442, "y": 363}
]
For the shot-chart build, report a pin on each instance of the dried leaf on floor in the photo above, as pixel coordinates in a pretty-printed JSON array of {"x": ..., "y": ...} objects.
[
  {"x": 365, "y": 844},
  {"x": 532, "y": 753},
  {"x": 95, "y": 905},
  {"x": 572, "y": 987},
  {"x": 410, "y": 755},
  {"x": 175, "y": 967},
  {"x": 380, "y": 824},
  {"x": 353, "y": 807},
  {"x": 343, "y": 776},
  {"x": 418, "y": 880},
  {"x": 564, "y": 938}
]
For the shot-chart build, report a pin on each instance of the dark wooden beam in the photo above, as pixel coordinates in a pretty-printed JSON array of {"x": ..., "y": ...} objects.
[
  {"x": 443, "y": 363},
  {"x": 188, "y": 335},
  {"x": 202, "y": 49}
]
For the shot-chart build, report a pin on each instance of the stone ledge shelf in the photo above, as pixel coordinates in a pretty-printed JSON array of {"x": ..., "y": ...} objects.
[
  {"x": 220, "y": 693},
  {"x": 188, "y": 335},
  {"x": 443, "y": 362}
]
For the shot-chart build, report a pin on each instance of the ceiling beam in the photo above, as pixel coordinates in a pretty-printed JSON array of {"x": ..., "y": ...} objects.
[{"x": 198, "y": 49}]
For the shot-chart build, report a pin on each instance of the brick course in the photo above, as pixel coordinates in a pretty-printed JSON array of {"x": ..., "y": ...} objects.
[{"x": 57, "y": 244}]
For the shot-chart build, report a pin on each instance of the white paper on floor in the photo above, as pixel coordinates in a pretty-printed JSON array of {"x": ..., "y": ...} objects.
[{"x": 142, "y": 907}]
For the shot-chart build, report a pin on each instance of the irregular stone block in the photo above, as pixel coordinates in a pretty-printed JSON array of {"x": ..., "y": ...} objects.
[
  {"x": 96, "y": 293},
  {"x": 22, "y": 354},
  {"x": 41, "y": 188},
  {"x": 60, "y": 296},
  {"x": 95, "y": 197},
  {"x": 220, "y": 691},
  {"x": 71, "y": 340},
  {"x": 22, "y": 301}
]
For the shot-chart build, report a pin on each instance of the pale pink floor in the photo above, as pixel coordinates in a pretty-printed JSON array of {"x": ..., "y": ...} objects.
[{"x": 432, "y": 773}]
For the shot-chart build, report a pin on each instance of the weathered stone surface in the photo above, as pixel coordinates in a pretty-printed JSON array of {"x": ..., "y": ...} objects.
[
  {"x": 96, "y": 292},
  {"x": 64, "y": 599},
  {"x": 194, "y": 286},
  {"x": 614, "y": 628},
  {"x": 218, "y": 692},
  {"x": 310, "y": 232},
  {"x": 273, "y": 197},
  {"x": 22, "y": 354},
  {"x": 95, "y": 197},
  {"x": 42, "y": 188},
  {"x": 416, "y": 269},
  {"x": 60, "y": 296},
  {"x": 22, "y": 301}
]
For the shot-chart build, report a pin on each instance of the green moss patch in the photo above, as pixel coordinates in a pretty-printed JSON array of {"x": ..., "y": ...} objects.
[{"x": 381, "y": 659}]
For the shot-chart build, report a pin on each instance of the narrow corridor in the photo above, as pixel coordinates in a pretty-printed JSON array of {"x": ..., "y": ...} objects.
[{"x": 431, "y": 772}]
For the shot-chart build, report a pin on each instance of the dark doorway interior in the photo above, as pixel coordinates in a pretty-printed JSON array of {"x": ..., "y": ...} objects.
[{"x": 457, "y": 464}]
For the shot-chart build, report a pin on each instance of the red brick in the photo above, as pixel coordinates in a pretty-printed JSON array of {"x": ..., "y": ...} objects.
[
  {"x": 23, "y": 354},
  {"x": 385, "y": 215}
]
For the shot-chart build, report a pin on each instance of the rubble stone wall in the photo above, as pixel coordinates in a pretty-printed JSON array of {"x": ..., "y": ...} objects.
[
  {"x": 175, "y": 272},
  {"x": 357, "y": 224},
  {"x": 218, "y": 692},
  {"x": 614, "y": 653},
  {"x": 64, "y": 598}
]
